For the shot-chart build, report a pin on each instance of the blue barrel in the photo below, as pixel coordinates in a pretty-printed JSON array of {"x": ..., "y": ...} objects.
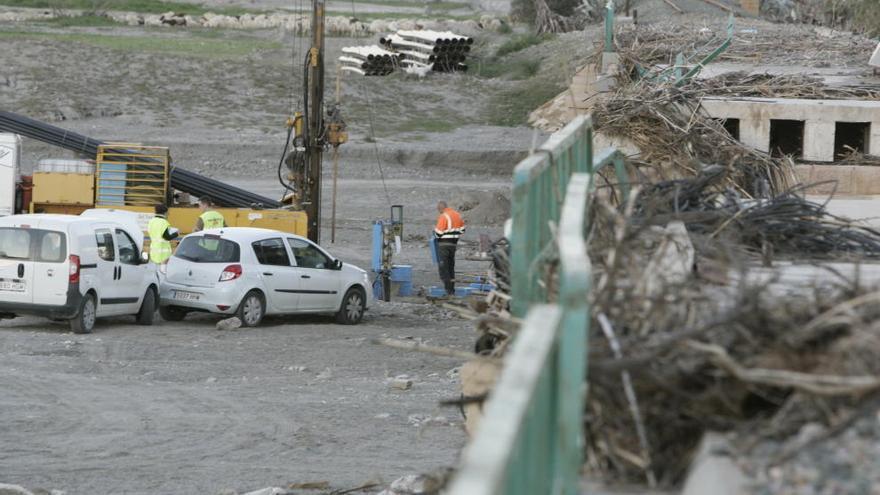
[
  {"x": 401, "y": 273},
  {"x": 404, "y": 289}
]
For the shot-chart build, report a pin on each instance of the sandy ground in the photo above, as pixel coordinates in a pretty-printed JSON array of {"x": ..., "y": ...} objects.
[{"x": 184, "y": 408}]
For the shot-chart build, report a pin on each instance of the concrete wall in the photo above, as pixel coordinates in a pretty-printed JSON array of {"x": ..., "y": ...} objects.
[
  {"x": 819, "y": 118},
  {"x": 843, "y": 180}
]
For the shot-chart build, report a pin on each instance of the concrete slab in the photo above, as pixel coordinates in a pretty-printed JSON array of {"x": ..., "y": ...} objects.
[
  {"x": 713, "y": 470},
  {"x": 841, "y": 180}
]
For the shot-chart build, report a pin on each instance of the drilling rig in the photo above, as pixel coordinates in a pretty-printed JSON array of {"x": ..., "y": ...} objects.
[{"x": 312, "y": 133}]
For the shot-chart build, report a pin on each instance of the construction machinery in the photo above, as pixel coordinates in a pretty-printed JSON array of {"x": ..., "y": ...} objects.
[
  {"x": 123, "y": 176},
  {"x": 311, "y": 133},
  {"x": 387, "y": 239},
  {"x": 134, "y": 177}
]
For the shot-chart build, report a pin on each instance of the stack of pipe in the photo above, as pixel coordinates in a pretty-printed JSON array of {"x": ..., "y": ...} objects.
[
  {"x": 369, "y": 60},
  {"x": 181, "y": 179},
  {"x": 430, "y": 50}
]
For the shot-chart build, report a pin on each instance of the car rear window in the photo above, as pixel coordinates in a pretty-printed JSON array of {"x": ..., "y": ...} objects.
[
  {"x": 207, "y": 249},
  {"x": 46, "y": 246}
]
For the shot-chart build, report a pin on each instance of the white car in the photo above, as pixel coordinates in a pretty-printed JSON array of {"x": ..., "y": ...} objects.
[
  {"x": 74, "y": 268},
  {"x": 251, "y": 272}
]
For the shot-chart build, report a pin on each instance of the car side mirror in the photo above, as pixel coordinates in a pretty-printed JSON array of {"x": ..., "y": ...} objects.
[
  {"x": 145, "y": 257},
  {"x": 337, "y": 264}
]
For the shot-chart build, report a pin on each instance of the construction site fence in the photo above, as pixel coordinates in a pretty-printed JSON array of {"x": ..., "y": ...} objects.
[{"x": 530, "y": 438}]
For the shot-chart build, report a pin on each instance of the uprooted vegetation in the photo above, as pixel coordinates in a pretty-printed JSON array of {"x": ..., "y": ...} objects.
[
  {"x": 715, "y": 302},
  {"x": 858, "y": 15}
]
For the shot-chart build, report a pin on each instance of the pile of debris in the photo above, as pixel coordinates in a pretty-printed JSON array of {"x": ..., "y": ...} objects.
[
  {"x": 755, "y": 42},
  {"x": 714, "y": 302},
  {"x": 859, "y": 15},
  {"x": 692, "y": 334}
]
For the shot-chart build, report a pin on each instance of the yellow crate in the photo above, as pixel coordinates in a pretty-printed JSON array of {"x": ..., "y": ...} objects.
[
  {"x": 64, "y": 189},
  {"x": 293, "y": 222},
  {"x": 184, "y": 219},
  {"x": 59, "y": 209}
]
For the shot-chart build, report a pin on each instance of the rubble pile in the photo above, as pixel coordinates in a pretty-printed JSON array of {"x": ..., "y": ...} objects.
[{"x": 715, "y": 304}]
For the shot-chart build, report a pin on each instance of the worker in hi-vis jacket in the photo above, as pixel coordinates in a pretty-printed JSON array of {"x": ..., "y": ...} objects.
[{"x": 448, "y": 230}]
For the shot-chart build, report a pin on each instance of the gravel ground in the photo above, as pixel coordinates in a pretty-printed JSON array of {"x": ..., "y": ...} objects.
[
  {"x": 185, "y": 408},
  {"x": 843, "y": 465}
]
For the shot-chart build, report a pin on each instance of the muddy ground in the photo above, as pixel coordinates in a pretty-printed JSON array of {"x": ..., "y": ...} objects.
[{"x": 185, "y": 408}]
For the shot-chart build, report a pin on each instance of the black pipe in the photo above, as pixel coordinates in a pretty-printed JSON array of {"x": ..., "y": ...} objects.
[{"x": 180, "y": 179}]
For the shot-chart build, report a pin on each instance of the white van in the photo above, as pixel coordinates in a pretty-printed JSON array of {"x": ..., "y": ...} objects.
[{"x": 74, "y": 268}]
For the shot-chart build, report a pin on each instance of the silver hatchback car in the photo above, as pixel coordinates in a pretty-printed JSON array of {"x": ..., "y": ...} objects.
[{"x": 251, "y": 272}]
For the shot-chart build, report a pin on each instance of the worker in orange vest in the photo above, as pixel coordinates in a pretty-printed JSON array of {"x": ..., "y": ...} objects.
[{"x": 448, "y": 230}]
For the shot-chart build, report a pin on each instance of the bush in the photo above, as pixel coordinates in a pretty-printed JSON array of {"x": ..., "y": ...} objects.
[
  {"x": 524, "y": 10},
  {"x": 521, "y": 42}
]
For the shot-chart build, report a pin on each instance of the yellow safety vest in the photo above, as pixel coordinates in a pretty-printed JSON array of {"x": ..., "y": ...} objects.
[
  {"x": 212, "y": 220},
  {"x": 160, "y": 249}
]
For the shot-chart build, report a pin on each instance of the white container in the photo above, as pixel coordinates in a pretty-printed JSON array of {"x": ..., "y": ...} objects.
[
  {"x": 66, "y": 166},
  {"x": 10, "y": 157}
]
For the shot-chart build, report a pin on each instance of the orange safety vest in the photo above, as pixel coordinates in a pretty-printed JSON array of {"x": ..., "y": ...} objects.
[{"x": 449, "y": 226}]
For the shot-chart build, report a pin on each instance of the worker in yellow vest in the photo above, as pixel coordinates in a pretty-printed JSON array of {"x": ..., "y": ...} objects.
[
  {"x": 161, "y": 234},
  {"x": 210, "y": 218}
]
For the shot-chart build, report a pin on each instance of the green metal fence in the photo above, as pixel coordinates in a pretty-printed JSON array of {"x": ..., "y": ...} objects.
[
  {"x": 539, "y": 186},
  {"x": 530, "y": 440}
]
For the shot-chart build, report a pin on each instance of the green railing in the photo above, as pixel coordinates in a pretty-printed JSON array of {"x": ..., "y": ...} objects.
[
  {"x": 530, "y": 440},
  {"x": 539, "y": 184}
]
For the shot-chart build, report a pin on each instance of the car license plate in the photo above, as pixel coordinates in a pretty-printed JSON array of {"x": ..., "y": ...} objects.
[
  {"x": 11, "y": 286},
  {"x": 186, "y": 296}
]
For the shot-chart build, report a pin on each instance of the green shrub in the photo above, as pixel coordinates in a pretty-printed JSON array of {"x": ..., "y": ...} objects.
[
  {"x": 524, "y": 10},
  {"x": 512, "y": 107},
  {"x": 515, "y": 70},
  {"x": 521, "y": 42}
]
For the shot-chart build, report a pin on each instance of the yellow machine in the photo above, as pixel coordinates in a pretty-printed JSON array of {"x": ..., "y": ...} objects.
[{"x": 135, "y": 178}]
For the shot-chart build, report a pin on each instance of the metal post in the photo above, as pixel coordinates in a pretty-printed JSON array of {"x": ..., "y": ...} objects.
[
  {"x": 609, "y": 27},
  {"x": 335, "y": 165},
  {"x": 315, "y": 120},
  {"x": 333, "y": 208}
]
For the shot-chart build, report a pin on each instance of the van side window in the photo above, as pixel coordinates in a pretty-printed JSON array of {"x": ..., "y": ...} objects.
[
  {"x": 52, "y": 248},
  {"x": 128, "y": 251},
  {"x": 271, "y": 252},
  {"x": 105, "y": 244},
  {"x": 307, "y": 255}
]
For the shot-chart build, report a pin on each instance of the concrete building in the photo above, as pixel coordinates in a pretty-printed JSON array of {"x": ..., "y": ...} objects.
[{"x": 809, "y": 130}]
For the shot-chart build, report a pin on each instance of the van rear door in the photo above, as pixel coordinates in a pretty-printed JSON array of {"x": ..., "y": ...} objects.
[
  {"x": 16, "y": 267},
  {"x": 51, "y": 266}
]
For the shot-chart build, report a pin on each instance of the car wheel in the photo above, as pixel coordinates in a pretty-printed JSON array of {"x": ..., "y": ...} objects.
[
  {"x": 352, "y": 310},
  {"x": 251, "y": 310},
  {"x": 84, "y": 321},
  {"x": 172, "y": 313},
  {"x": 148, "y": 308}
]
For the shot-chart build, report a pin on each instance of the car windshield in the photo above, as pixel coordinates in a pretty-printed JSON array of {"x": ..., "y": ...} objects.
[{"x": 208, "y": 249}]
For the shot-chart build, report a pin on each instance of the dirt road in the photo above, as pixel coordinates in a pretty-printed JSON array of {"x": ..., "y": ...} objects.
[{"x": 185, "y": 408}]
